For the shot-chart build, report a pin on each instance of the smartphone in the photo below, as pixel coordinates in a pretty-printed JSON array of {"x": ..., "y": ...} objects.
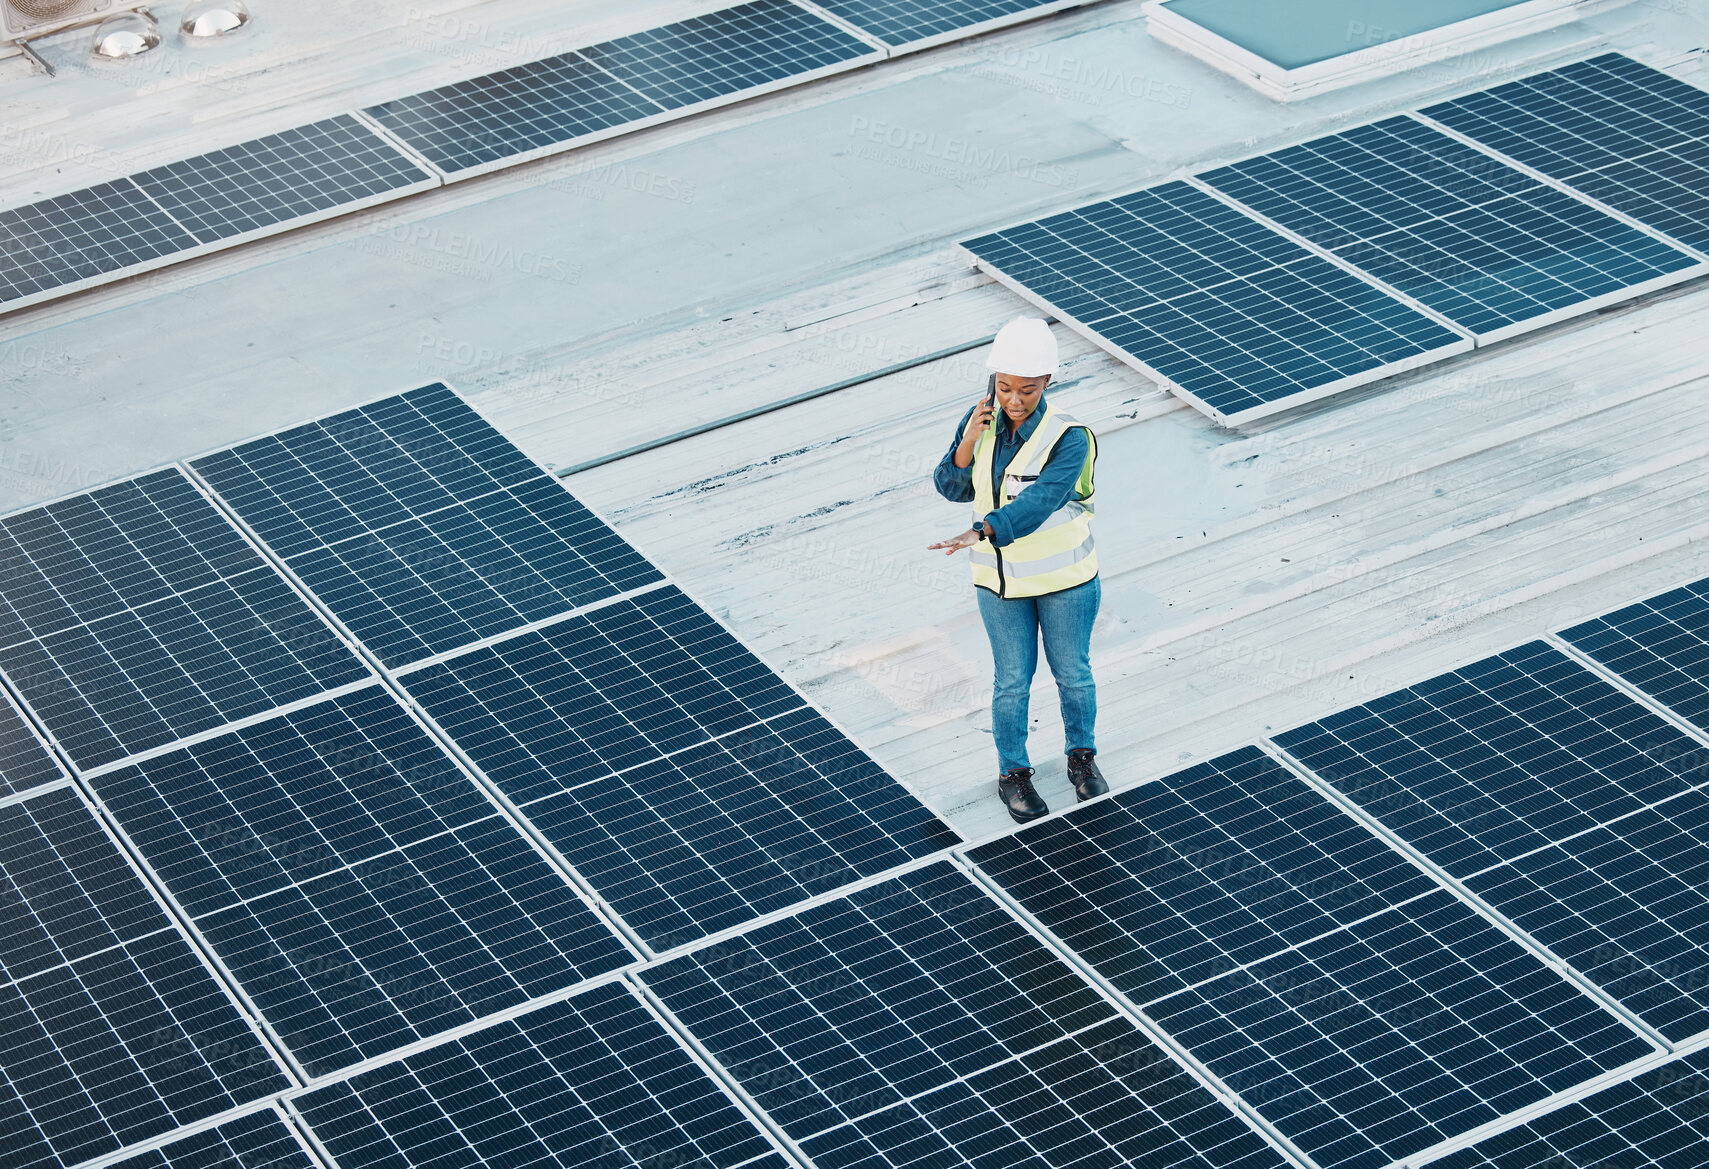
[{"x": 991, "y": 391}]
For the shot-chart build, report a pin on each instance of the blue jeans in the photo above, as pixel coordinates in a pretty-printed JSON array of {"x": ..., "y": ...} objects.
[{"x": 1014, "y": 626}]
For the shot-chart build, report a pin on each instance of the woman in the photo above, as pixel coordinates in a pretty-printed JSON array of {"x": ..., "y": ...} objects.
[{"x": 1035, "y": 568}]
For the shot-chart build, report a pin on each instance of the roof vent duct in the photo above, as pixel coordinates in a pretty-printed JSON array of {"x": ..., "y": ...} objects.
[
  {"x": 205, "y": 19},
  {"x": 128, "y": 35}
]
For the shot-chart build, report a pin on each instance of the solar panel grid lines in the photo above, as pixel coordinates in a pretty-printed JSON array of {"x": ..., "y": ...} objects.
[
  {"x": 1198, "y": 295},
  {"x": 292, "y": 177},
  {"x": 26, "y": 760},
  {"x": 591, "y": 1078},
  {"x": 1699, "y": 250},
  {"x": 1330, "y": 256},
  {"x": 732, "y": 54},
  {"x": 918, "y": 1021},
  {"x": 59, "y": 245},
  {"x": 257, "y": 1140},
  {"x": 1123, "y": 918},
  {"x": 1656, "y": 648},
  {"x": 1445, "y": 763},
  {"x": 1629, "y": 136},
  {"x": 135, "y": 614},
  {"x": 909, "y": 26},
  {"x": 361, "y": 890},
  {"x": 1186, "y": 878},
  {"x": 1657, "y": 1118},
  {"x": 685, "y": 782},
  {"x": 504, "y": 118},
  {"x": 419, "y": 527},
  {"x": 118, "y": 1031},
  {"x": 1490, "y": 247}
]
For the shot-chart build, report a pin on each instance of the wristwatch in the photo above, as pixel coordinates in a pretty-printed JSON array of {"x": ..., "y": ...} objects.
[{"x": 982, "y": 529}]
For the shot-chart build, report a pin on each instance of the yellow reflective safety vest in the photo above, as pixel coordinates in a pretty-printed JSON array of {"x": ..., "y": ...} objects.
[{"x": 1060, "y": 554}]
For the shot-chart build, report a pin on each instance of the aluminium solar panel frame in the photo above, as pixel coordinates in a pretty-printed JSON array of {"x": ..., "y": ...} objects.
[
  {"x": 573, "y": 883},
  {"x": 186, "y": 933},
  {"x": 431, "y": 181},
  {"x": 392, "y": 676},
  {"x": 62, "y": 756},
  {"x": 1567, "y": 189},
  {"x": 1378, "y": 60},
  {"x": 269, "y": 1105},
  {"x": 1224, "y": 418},
  {"x": 1529, "y": 324},
  {"x": 877, "y": 55},
  {"x": 762, "y": 1121},
  {"x": 1036, "y": 12}
]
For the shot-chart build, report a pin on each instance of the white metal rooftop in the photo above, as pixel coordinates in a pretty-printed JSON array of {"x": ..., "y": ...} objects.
[{"x": 1254, "y": 579}]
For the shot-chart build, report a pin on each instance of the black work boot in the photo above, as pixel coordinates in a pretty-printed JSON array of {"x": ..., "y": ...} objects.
[
  {"x": 1015, "y": 789},
  {"x": 1083, "y": 770}
]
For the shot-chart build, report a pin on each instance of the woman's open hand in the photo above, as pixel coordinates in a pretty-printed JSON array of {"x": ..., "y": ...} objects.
[{"x": 956, "y": 543}]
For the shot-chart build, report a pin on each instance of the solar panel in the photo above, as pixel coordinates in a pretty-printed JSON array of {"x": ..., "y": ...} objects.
[
  {"x": 1231, "y": 315},
  {"x": 592, "y": 1080},
  {"x": 1178, "y": 881},
  {"x": 1660, "y": 645},
  {"x": 333, "y": 165},
  {"x": 1499, "y": 758},
  {"x": 420, "y": 527},
  {"x": 359, "y": 887},
  {"x": 686, "y": 782},
  {"x": 135, "y": 615},
  {"x": 1658, "y": 1119},
  {"x": 1631, "y": 136},
  {"x": 1384, "y": 1038},
  {"x": 502, "y": 117},
  {"x": 1487, "y": 246},
  {"x": 24, "y": 758},
  {"x": 917, "y": 1020},
  {"x": 1625, "y": 904},
  {"x": 115, "y": 1031},
  {"x": 258, "y": 1141},
  {"x": 917, "y": 24},
  {"x": 737, "y": 51},
  {"x": 51, "y": 245}
]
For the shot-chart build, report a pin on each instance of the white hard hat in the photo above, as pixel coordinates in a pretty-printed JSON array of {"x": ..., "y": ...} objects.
[{"x": 1024, "y": 347}]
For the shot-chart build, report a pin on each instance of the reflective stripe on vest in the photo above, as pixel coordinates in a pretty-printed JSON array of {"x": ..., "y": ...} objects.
[{"x": 1060, "y": 554}]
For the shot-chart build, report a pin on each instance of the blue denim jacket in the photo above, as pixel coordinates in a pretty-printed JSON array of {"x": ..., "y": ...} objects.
[{"x": 1035, "y": 503}]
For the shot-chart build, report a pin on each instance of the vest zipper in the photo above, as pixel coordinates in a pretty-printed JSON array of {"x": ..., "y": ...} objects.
[{"x": 1002, "y": 583}]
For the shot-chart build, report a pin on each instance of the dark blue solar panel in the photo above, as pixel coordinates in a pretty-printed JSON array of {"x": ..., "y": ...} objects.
[
  {"x": 1656, "y": 1120},
  {"x": 726, "y": 52},
  {"x": 420, "y": 526},
  {"x": 899, "y": 22},
  {"x": 594, "y": 1080},
  {"x": 24, "y": 759},
  {"x": 1478, "y": 241},
  {"x": 1500, "y": 757},
  {"x": 1626, "y": 905},
  {"x": 354, "y": 881},
  {"x": 1659, "y": 645},
  {"x": 1624, "y": 133},
  {"x": 1181, "y": 880},
  {"x": 688, "y": 784},
  {"x": 114, "y": 1030},
  {"x": 1399, "y": 1031},
  {"x": 515, "y": 111},
  {"x": 1227, "y": 310},
  {"x": 917, "y": 1019},
  {"x": 135, "y": 615},
  {"x": 258, "y": 1141},
  {"x": 357, "y": 884},
  {"x": 298, "y": 172},
  {"x": 600, "y": 693},
  {"x": 84, "y": 234}
]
